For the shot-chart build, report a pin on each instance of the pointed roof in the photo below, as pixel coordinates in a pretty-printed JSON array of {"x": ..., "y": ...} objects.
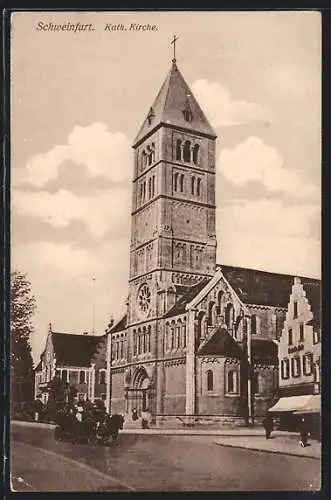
[
  {"x": 173, "y": 102},
  {"x": 220, "y": 343}
]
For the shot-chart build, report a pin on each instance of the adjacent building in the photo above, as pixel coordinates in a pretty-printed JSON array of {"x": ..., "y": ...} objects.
[
  {"x": 300, "y": 356},
  {"x": 80, "y": 360}
]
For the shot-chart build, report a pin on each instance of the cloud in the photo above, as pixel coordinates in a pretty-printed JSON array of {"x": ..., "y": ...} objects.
[
  {"x": 270, "y": 235},
  {"x": 61, "y": 277},
  {"x": 255, "y": 161},
  {"x": 102, "y": 153},
  {"x": 221, "y": 110},
  {"x": 106, "y": 211}
]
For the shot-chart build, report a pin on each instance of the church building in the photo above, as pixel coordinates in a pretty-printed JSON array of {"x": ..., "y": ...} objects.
[{"x": 198, "y": 341}]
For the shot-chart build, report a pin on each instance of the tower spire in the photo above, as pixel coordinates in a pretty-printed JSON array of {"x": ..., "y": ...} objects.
[{"x": 173, "y": 42}]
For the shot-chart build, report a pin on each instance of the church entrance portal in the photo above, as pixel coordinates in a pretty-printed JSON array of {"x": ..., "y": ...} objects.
[{"x": 137, "y": 396}]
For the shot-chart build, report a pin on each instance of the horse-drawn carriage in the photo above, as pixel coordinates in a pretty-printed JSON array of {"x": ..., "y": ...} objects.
[{"x": 87, "y": 427}]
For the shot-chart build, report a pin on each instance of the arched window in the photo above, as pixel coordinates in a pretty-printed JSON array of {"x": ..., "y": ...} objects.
[
  {"x": 172, "y": 344},
  {"x": 144, "y": 340},
  {"x": 211, "y": 313},
  {"x": 229, "y": 313},
  {"x": 149, "y": 188},
  {"x": 193, "y": 185},
  {"x": 184, "y": 335},
  {"x": 176, "y": 175},
  {"x": 144, "y": 191},
  {"x": 179, "y": 150},
  {"x": 198, "y": 186},
  {"x": 144, "y": 160},
  {"x": 181, "y": 183},
  {"x": 82, "y": 376},
  {"x": 167, "y": 337},
  {"x": 195, "y": 153},
  {"x": 187, "y": 151},
  {"x": 178, "y": 336},
  {"x": 219, "y": 302},
  {"x": 202, "y": 325},
  {"x": 153, "y": 185},
  {"x": 253, "y": 324},
  {"x": 139, "y": 341},
  {"x": 134, "y": 342},
  {"x": 149, "y": 339},
  {"x": 210, "y": 380},
  {"x": 153, "y": 152},
  {"x": 121, "y": 349},
  {"x": 150, "y": 155},
  {"x": 232, "y": 382}
]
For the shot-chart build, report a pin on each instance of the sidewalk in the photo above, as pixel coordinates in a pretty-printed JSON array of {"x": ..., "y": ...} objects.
[{"x": 285, "y": 443}]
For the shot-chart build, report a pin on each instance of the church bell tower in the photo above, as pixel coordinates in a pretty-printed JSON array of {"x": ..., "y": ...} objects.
[{"x": 173, "y": 237}]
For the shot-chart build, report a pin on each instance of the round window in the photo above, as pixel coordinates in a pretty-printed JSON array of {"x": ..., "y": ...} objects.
[{"x": 144, "y": 299}]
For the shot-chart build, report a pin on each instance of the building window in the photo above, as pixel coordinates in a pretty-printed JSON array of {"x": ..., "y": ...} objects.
[
  {"x": 177, "y": 337},
  {"x": 308, "y": 364},
  {"x": 256, "y": 383},
  {"x": 198, "y": 187},
  {"x": 196, "y": 154},
  {"x": 176, "y": 176},
  {"x": 232, "y": 382},
  {"x": 302, "y": 333},
  {"x": 181, "y": 183},
  {"x": 229, "y": 313},
  {"x": 193, "y": 185},
  {"x": 150, "y": 188},
  {"x": 149, "y": 339},
  {"x": 253, "y": 324},
  {"x": 102, "y": 376},
  {"x": 295, "y": 309},
  {"x": 187, "y": 151},
  {"x": 179, "y": 150},
  {"x": 210, "y": 380},
  {"x": 64, "y": 375},
  {"x": 184, "y": 335},
  {"x": 290, "y": 336},
  {"x": 316, "y": 337},
  {"x": 296, "y": 366},
  {"x": 285, "y": 368},
  {"x": 82, "y": 379},
  {"x": 172, "y": 341}
]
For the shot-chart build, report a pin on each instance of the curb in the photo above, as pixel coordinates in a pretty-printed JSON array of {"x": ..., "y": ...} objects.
[{"x": 261, "y": 450}]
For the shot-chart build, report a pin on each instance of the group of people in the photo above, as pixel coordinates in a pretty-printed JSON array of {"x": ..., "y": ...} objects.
[
  {"x": 268, "y": 425},
  {"x": 145, "y": 417}
]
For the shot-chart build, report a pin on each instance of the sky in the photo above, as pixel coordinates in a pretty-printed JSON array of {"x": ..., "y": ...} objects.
[{"x": 78, "y": 100}]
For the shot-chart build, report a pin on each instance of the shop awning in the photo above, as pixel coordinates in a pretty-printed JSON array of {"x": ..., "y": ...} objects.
[
  {"x": 292, "y": 403},
  {"x": 313, "y": 405}
]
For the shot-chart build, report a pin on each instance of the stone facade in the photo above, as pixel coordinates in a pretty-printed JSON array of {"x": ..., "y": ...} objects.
[{"x": 197, "y": 341}]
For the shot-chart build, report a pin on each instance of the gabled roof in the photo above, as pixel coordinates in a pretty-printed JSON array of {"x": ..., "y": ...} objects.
[
  {"x": 173, "y": 98},
  {"x": 180, "y": 305},
  {"x": 75, "y": 350},
  {"x": 220, "y": 343},
  {"x": 262, "y": 287},
  {"x": 120, "y": 325}
]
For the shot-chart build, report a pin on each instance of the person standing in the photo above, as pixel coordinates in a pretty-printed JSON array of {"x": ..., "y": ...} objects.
[
  {"x": 268, "y": 425},
  {"x": 303, "y": 432}
]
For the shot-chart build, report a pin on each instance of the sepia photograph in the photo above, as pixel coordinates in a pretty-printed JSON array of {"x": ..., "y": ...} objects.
[{"x": 165, "y": 233}]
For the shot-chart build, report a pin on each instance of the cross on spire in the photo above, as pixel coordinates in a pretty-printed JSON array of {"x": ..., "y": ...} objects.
[{"x": 173, "y": 42}]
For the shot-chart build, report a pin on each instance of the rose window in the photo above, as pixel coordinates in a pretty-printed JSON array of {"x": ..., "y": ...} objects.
[{"x": 144, "y": 298}]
